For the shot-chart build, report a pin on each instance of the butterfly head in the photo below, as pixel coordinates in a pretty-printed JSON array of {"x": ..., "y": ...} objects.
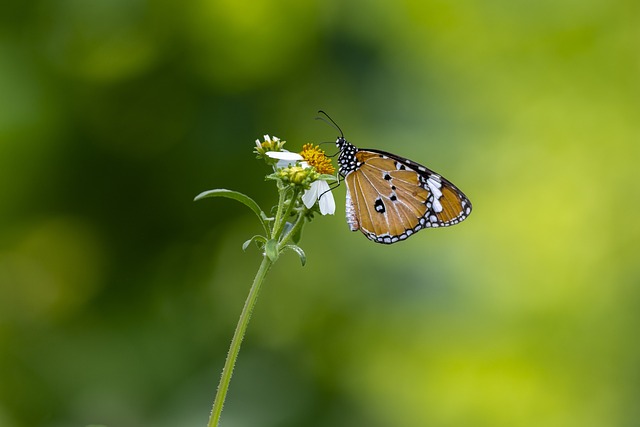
[{"x": 347, "y": 159}]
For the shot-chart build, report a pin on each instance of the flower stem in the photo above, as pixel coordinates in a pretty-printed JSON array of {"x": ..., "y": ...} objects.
[
  {"x": 278, "y": 227},
  {"x": 281, "y": 199},
  {"x": 296, "y": 226},
  {"x": 238, "y": 335}
]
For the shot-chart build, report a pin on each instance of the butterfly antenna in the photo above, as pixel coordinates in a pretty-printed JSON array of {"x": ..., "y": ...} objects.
[
  {"x": 328, "y": 142},
  {"x": 331, "y": 122}
]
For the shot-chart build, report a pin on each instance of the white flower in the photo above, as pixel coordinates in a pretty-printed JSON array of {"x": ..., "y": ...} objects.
[
  {"x": 319, "y": 190},
  {"x": 267, "y": 138},
  {"x": 286, "y": 158},
  {"x": 269, "y": 144}
]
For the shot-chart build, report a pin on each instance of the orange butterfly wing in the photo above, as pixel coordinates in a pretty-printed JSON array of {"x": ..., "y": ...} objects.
[{"x": 389, "y": 198}]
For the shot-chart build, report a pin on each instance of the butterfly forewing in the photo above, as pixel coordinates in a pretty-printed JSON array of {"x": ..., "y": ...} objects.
[{"x": 389, "y": 197}]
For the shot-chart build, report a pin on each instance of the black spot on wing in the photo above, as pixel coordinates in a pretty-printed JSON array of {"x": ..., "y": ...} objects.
[{"x": 378, "y": 205}]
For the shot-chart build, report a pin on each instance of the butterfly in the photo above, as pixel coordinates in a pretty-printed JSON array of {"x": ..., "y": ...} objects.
[{"x": 390, "y": 198}]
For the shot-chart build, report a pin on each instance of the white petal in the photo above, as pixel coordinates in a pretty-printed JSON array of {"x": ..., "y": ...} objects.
[
  {"x": 326, "y": 202},
  {"x": 283, "y": 164},
  {"x": 286, "y": 163},
  {"x": 310, "y": 196},
  {"x": 284, "y": 155}
]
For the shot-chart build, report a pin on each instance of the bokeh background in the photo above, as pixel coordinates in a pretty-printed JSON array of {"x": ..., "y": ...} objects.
[{"x": 119, "y": 294}]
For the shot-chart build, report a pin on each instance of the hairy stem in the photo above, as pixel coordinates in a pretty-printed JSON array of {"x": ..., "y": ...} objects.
[
  {"x": 279, "y": 227},
  {"x": 238, "y": 335}
]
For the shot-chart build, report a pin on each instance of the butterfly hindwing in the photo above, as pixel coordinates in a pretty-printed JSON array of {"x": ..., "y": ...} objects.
[
  {"x": 385, "y": 200},
  {"x": 380, "y": 212},
  {"x": 389, "y": 197}
]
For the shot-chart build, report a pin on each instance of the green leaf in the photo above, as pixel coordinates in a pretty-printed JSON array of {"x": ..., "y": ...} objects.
[
  {"x": 256, "y": 238},
  {"x": 271, "y": 249},
  {"x": 242, "y": 198},
  {"x": 297, "y": 249}
]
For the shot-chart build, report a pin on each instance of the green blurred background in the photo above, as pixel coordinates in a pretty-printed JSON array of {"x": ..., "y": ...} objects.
[{"x": 119, "y": 294}]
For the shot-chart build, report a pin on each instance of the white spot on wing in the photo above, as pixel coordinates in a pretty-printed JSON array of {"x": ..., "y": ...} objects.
[{"x": 434, "y": 188}]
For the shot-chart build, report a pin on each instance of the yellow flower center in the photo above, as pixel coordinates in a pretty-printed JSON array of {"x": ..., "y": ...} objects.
[{"x": 313, "y": 155}]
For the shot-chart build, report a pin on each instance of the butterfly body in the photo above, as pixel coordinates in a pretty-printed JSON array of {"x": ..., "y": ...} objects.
[{"x": 390, "y": 198}]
